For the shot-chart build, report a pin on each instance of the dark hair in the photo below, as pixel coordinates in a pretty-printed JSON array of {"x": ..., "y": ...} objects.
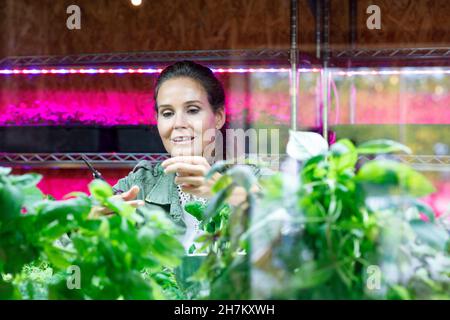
[{"x": 199, "y": 73}]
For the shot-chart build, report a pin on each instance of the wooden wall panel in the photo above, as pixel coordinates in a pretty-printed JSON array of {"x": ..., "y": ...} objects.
[
  {"x": 37, "y": 27},
  {"x": 404, "y": 23}
]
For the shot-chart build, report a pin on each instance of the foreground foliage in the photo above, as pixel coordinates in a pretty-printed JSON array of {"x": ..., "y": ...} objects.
[
  {"x": 331, "y": 225},
  {"x": 105, "y": 258}
]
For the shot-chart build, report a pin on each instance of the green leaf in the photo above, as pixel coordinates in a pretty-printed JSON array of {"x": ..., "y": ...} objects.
[
  {"x": 391, "y": 173},
  {"x": 308, "y": 275},
  {"x": 218, "y": 167},
  {"x": 32, "y": 195},
  {"x": 11, "y": 200},
  {"x": 26, "y": 180},
  {"x": 191, "y": 249},
  {"x": 314, "y": 167},
  {"x": 57, "y": 257},
  {"x": 272, "y": 186},
  {"x": 382, "y": 146},
  {"x": 397, "y": 292},
  {"x": 137, "y": 288},
  {"x": 425, "y": 209},
  {"x": 431, "y": 234},
  {"x": 222, "y": 166},
  {"x": 7, "y": 290},
  {"x": 195, "y": 208},
  {"x": 167, "y": 250},
  {"x": 119, "y": 206},
  {"x": 344, "y": 154},
  {"x": 216, "y": 202},
  {"x": 158, "y": 219},
  {"x": 53, "y": 231},
  {"x": 223, "y": 182},
  {"x": 60, "y": 291},
  {"x": 100, "y": 189},
  {"x": 242, "y": 176},
  {"x": 76, "y": 206}
]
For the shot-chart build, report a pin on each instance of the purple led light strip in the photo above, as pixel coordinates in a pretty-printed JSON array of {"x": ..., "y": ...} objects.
[
  {"x": 138, "y": 71},
  {"x": 62, "y": 71}
]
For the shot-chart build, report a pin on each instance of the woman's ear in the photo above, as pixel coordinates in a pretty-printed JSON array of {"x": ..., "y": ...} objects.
[{"x": 220, "y": 118}]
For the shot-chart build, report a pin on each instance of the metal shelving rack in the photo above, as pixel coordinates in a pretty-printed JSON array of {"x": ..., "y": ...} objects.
[
  {"x": 403, "y": 53},
  {"x": 217, "y": 58},
  {"x": 99, "y": 160},
  {"x": 129, "y": 160},
  {"x": 422, "y": 162},
  {"x": 381, "y": 57},
  {"x": 324, "y": 57},
  {"x": 158, "y": 58},
  {"x": 437, "y": 56},
  {"x": 75, "y": 160}
]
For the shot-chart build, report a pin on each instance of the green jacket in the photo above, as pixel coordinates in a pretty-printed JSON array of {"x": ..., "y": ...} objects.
[{"x": 157, "y": 189}]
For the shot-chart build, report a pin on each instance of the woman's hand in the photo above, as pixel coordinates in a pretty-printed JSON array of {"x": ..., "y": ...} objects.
[
  {"x": 190, "y": 174},
  {"x": 191, "y": 171},
  {"x": 127, "y": 196}
]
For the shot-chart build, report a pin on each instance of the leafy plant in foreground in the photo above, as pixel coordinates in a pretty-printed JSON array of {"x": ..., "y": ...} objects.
[{"x": 116, "y": 259}]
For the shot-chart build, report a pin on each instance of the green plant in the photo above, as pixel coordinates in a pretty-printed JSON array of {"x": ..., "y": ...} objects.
[
  {"x": 335, "y": 228},
  {"x": 50, "y": 249},
  {"x": 225, "y": 266}
]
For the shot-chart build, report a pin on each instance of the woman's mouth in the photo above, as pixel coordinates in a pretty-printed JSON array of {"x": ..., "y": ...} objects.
[{"x": 182, "y": 139}]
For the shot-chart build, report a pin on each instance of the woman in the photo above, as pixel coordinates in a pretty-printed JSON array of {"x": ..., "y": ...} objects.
[{"x": 189, "y": 102}]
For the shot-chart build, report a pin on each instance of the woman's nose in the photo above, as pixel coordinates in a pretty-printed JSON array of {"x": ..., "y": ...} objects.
[{"x": 180, "y": 120}]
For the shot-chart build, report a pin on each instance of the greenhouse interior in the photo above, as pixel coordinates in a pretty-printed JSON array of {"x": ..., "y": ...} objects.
[{"x": 225, "y": 150}]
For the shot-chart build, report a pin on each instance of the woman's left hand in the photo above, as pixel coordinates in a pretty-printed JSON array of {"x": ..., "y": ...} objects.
[{"x": 190, "y": 174}]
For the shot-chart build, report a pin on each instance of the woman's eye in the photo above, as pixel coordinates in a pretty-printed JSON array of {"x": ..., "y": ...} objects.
[
  {"x": 193, "y": 110},
  {"x": 166, "y": 114}
]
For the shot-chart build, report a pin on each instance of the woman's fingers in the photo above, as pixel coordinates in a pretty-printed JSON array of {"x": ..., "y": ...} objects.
[
  {"x": 133, "y": 203},
  {"x": 192, "y": 181},
  {"x": 185, "y": 159},
  {"x": 104, "y": 211},
  {"x": 191, "y": 171},
  {"x": 186, "y": 168},
  {"x": 130, "y": 194}
]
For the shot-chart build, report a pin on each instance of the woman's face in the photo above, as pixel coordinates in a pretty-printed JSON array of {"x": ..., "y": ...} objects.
[{"x": 185, "y": 117}]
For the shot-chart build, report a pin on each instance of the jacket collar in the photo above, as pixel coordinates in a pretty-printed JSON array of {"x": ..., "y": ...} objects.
[{"x": 164, "y": 193}]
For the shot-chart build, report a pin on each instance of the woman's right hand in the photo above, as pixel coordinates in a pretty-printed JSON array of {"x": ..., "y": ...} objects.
[{"x": 127, "y": 196}]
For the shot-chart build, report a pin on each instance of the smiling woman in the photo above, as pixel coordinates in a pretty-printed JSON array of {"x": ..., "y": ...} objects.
[{"x": 189, "y": 102}]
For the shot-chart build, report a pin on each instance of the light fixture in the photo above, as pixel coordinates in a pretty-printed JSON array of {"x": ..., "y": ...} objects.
[{"x": 136, "y": 2}]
